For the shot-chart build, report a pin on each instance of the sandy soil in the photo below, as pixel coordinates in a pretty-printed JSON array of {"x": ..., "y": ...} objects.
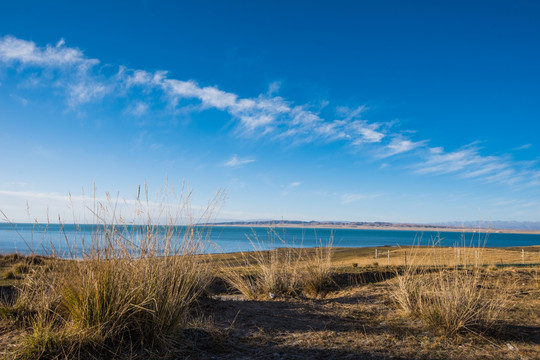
[{"x": 359, "y": 322}]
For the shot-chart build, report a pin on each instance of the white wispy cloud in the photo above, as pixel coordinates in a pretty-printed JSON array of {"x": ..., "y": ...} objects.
[
  {"x": 524, "y": 147},
  {"x": 84, "y": 80},
  {"x": 27, "y": 53},
  {"x": 267, "y": 113},
  {"x": 468, "y": 163},
  {"x": 274, "y": 87},
  {"x": 399, "y": 144},
  {"x": 139, "y": 108},
  {"x": 287, "y": 189},
  {"x": 71, "y": 69},
  {"x": 352, "y": 127},
  {"x": 86, "y": 91},
  {"x": 140, "y": 77},
  {"x": 368, "y": 132},
  {"x": 441, "y": 162},
  {"x": 235, "y": 161},
  {"x": 350, "y": 198},
  {"x": 23, "y": 101}
]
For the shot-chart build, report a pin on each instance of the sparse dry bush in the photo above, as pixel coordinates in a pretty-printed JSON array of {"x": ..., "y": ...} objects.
[
  {"x": 451, "y": 299},
  {"x": 21, "y": 268},
  {"x": 285, "y": 271},
  {"x": 266, "y": 273},
  {"x": 130, "y": 289},
  {"x": 317, "y": 273}
]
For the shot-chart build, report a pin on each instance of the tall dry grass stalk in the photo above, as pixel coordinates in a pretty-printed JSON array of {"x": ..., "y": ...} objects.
[
  {"x": 129, "y": 288},
  {"x": 260, "y": 274},
  {"x": 285, "y": 271},
  {"x": 451, "y": 299},
  {"x": 317, "y": 270}
]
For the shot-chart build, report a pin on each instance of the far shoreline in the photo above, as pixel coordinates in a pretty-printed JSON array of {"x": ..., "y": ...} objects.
[{"x": 415, "y": 228}]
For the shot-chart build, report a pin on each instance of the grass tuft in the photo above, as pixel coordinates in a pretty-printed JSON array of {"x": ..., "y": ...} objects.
[
  {"x": 452, "y": 300},
  {"x": 317, "y": 272},
  {"x": 128, "y": 291},
  {"x": 10, "y": 275},
  {"x": 266, "y": 274},
  {"x": 21, "y": 269},
  {"x": 286, "y": 271}
]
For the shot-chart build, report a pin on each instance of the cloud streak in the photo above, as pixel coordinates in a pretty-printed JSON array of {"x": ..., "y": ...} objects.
[
  {"x": 85, "y": 80},
  {"x": 399, "y": 145},
  {"x": 352, "y": 198},
  {"x": 62, "y": 67},
  {"x": 265, "y": 114},
  {"x": 235, "y": 161},
  {"x": 58, "y": 56}
]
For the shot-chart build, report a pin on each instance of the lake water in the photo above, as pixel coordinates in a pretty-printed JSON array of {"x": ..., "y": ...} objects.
[{"x": 28, "y": 238}]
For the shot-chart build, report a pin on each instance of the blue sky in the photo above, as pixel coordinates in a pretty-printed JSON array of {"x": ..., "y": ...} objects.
[{"x": 417, "y": 111}]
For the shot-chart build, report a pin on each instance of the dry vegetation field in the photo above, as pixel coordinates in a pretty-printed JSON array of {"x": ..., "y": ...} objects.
[{"x": 325, "y": 303}]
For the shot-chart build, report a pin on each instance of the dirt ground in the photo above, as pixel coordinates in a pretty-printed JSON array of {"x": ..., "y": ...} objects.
[{"x": 358, "y": 322}]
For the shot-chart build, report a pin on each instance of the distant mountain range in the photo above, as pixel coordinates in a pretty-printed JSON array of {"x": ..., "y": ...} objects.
[
  {"x": 499, "y": 224},
  {"x": 307, "y": 223},
  {"x": 510, "y": 225}
]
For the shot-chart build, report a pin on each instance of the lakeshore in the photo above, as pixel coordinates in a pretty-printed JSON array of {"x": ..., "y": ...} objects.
[{"x": 396, "y": 227}]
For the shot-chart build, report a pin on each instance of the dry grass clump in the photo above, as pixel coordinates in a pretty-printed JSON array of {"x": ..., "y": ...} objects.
[
  {"x": 317, "y": 272},
  {"x": 262, "y": 274},
  {"x": 452, "y": 300},
  {"x": 9, "y": 275},
  {"x": 15, "y": 266},
  {"x": 286, "y": 271},
  {"x": 128, "y": 292},
  {"x": 21, "y": 269}
]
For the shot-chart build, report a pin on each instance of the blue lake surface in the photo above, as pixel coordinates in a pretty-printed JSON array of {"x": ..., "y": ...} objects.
[{"x": 40, "y": 239}]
